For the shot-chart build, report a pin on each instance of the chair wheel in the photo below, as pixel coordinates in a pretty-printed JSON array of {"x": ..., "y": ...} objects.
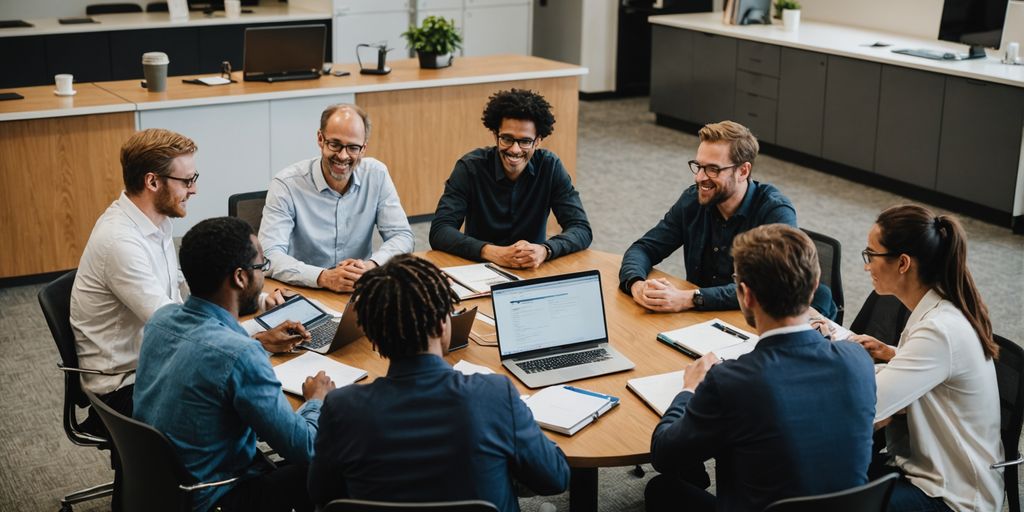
[
  {"x": 638, "y": 471},
  {"x": 65, "y": 507}
]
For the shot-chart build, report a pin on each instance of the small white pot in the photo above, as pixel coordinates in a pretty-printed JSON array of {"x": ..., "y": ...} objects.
[{"x": 791, "y": 19}]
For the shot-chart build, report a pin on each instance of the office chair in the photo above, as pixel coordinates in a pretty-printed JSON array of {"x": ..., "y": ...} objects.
[
  {"x": 881, "y": 316},
  {"x": 384, "y": 506},
  {"x": 870, "y": 497},
  {"x": 156, "y": 7},
  {"x": 111, "y": 8},
  {"x": 1010, "y": 376},
  {"x": 830, "y": 253},
  {"x": 248, "y": 207},
  {"x": 154, "y": 478}
]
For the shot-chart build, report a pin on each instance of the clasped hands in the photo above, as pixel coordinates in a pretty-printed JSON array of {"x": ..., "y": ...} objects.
[
  {"x": 661, "y": 296},
  {"x": 343, "y": 277},
  {"x": 521, "y": 254}
]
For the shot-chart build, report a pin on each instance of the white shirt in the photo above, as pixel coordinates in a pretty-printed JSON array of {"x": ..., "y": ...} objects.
[
  {"x": 128, "y": 270},
  {"x": 950, "y": 434}
]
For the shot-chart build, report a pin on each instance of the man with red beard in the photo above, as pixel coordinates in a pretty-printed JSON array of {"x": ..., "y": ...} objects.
[
  {"x": 505, "y": 193},
  {"x": 317, "y": 227},
  {"x": 723, "y": 202}
]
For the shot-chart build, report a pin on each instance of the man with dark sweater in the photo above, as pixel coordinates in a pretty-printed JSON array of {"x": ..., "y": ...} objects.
[{"x": 793, "y": 417}]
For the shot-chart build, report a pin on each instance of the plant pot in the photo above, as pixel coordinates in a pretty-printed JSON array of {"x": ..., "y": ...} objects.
[
  {"x": 430, "y": 60},
  {"x": 791, "y": 19}
]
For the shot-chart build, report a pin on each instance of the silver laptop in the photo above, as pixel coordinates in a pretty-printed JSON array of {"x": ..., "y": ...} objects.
[
  {"x": 553, "y": 329},
  {"x": 328, "y": 334}
]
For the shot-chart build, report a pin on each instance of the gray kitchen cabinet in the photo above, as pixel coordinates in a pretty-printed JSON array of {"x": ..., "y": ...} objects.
[
  {"x": 851, "y": 112},
  {"x": 714, "y": 78},
  {"x": 801, "y": 100},
  {"x": 909, "y": 118},
  {"x": 672, "y": 72}
]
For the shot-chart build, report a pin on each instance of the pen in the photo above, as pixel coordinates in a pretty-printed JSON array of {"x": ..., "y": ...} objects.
[
  {"x": 591, "y": 393},
  {"x": 678, "y": 346},
  {"x": 502, "y": 272},
  {"x": 733, "y": 332}
]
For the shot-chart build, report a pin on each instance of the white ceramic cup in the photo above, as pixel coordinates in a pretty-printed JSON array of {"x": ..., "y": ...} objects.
[
  {"x": 1012, "y": 53},
  {"x": 233, "y": 8},
  {"x": 64, "y": 82},
  {"x": 791, "y": 20}
]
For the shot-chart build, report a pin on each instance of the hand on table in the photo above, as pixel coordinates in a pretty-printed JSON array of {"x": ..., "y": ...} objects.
[
  {"x": 521, "y": 254},
  {"x": 876, "y": 349},
  {"x": 273, "y": 299},
  {"x": 823, "y": 326},
  {"x": 343, "y": 277},
  {"x": 282, "y": 338},
  {"x": 317, "y": 386},
  {"x": 661, "y": 296},
  {"x": 695, "y": 372}
]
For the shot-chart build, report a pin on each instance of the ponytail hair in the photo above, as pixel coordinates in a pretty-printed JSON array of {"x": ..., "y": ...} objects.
[{"x": 939, "y": 244}]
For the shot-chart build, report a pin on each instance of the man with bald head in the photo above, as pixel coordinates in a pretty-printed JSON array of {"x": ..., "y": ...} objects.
[{"x": 318, "y": 221}]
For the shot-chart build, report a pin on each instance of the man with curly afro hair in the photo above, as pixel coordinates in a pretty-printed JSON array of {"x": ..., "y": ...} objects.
[{"x": 505, "y": 193}]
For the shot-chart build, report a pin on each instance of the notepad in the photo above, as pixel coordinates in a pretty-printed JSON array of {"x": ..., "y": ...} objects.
[
  {"x": 294, "y": 372},
  {"x": 726, "y": 340},
  {"x": 567, "y": 409},
  {"x": 472, "y": 281},
  {"x": 657, "y": 391}
]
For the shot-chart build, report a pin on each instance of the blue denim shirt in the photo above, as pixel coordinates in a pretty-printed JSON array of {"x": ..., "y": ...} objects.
[
  {"x": 211, "y": 390},
  {"x": 706, "y": 239}
]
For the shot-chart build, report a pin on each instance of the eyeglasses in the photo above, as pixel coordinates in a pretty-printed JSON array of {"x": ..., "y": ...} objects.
[
  {"x": 867, "y": 254},
  {"x": 711, "y": 170},
  {"x": 189, "y": 182},
  {"x": 506, "y": 141},
  {"x": 337, "y": 146},
  {"x": 265, "y": 266}
]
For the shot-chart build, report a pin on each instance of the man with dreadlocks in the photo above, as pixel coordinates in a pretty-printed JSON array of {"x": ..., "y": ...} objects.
[
  {"x": 426, "y": 432},
  {"x": 505, "y": 193}
]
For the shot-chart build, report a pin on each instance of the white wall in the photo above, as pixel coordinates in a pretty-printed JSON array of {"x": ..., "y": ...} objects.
[
  {"x": 29, "y": 9},
  {"x": 917, "y": 18},
  {"x": 597, "y": 53}
]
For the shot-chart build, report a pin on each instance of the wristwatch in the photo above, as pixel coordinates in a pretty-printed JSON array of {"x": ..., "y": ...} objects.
[
  {"x": 548, "y": 249},
  {"x": 698, "y": 299}
]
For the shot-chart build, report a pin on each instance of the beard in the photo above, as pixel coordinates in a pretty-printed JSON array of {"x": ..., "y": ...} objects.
[
  {"x": 249, "y": 303},
  {"x": 351, "y": 162},
  {"x": 719, "y": 194},
  {"x": 167, "y": 205}
]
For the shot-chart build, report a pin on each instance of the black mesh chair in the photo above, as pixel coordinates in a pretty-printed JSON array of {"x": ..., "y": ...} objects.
[
  {"x": 154, "y": 478},
  {"x": 881, "y": 316},
  {"x": 55, "y": 301},
  {"x": 156, "y": 7},
  {"x": 870, "y": 497},
  {"x": 248, "y": 207},
  {"x": 111, "y": 8},
  {"x": 383, "y": 506},
  {"x": 830, "y": 253},
  {"x": 1010, "y": 375}
]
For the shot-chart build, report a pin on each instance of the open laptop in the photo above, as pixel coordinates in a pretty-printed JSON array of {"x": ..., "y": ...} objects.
[
  {"x": 275, "y": 54},
  {"x": 328, "y": 334},
  {"x": 553, "y": 329}
]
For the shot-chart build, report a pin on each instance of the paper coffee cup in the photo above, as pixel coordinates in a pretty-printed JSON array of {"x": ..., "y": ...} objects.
[
  {"x": 233, "y": 8},
  {"x": 154, "y": 67}
]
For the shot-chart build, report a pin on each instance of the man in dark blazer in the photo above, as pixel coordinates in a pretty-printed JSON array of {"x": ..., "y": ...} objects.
[
  {"x": 792, "y": 418},
  {"x": 426, "y": 432}
]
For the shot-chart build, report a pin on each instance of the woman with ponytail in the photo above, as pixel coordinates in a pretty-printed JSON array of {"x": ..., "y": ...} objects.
[{"x": 937, "y": 391}]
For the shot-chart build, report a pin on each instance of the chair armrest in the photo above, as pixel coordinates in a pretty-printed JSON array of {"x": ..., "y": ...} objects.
[
  {"x": 204, "y": 485},
  {"x": 1005, "y": 463},
  {"x": 71, "y": 369}
]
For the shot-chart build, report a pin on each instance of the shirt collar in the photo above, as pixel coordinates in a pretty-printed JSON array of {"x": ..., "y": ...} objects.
[
  {"x": 499, "y": 169},
  {"x": 418, "y": 363},
  {"x": 748, "y": 199},
  {"x": 207, "y": 308},
  {"x": 927, "y": 303},
  {"x": 145, "y": 225},
  {"x": 321, "y": 183},
  {"x": 789, "y": 329}
]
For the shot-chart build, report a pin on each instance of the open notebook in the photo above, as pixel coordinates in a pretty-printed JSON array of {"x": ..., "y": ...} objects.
[
  {"x": 726, "y": 340},
  {"x": 657, "y": 391},
  {"x": 294, "y": 372}
]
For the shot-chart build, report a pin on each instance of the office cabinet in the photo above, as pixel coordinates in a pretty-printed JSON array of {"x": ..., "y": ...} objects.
[
  {"x": 802, "y": 76},
  {"x": 23, "y": 61},
  {"x": 672, "y": 72},
  {"x": 370, "y": 22},
  {"x": 759, "y": 58},
  {"x": 127, "y": 46},
  {"x": 714, "y": 78},
  {"x": 909, "y": 117},
  {"x": 851, "y": 112},
  {"x": 448, "y": 9},
  {"x": 86, "y": 55},
  {"x": 494, "y": 26},
  {"x": 756, "y": 113},
  {"x": 979, "y": 152}
]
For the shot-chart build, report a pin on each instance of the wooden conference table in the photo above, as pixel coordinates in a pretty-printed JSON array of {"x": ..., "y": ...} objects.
[{"x": 620, "y": 438}]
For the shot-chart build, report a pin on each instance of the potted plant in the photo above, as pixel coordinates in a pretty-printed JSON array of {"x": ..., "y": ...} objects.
[
  {"x": 789, "y": 11},
  {"x": 434, "y": 41}
]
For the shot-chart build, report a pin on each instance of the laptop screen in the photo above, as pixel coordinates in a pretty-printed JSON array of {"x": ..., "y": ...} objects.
[
  {"x": 549, "y": 312},
  {"x": 298, "y": 309},
  {"x": 282, "y": 50}
]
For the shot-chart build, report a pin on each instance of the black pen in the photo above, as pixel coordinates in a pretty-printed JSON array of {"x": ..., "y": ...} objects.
[
  {"x": 727, "y": 330},
  {"x": 501, "y": 272}
]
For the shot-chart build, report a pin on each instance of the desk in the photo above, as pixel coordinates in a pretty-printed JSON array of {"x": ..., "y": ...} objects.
[{"x": 620, "y": 438}]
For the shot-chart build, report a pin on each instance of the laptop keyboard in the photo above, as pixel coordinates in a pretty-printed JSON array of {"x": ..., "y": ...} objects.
[
  {"x": 564, "y": 360},
  {"x": 321, "y": 335}
]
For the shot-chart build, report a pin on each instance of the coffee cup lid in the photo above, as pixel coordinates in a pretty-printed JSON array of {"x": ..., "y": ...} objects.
[{"x": 155, "y": 58}]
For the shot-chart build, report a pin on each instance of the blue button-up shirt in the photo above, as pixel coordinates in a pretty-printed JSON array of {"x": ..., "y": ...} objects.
[
  {"x": 211, "y": 390},
  {"x": 308, "y": 227}
]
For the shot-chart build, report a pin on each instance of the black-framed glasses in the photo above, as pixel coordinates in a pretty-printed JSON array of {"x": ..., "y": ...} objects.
[
  {"x": 337, "y": 146},
  {"x": 265, "y": 266},
  {"x": 189, "y": 182},
  {"x": 506, "y": 141},
  {"x": 867, "y": 254},
  {"x": 711, "y": 170}
]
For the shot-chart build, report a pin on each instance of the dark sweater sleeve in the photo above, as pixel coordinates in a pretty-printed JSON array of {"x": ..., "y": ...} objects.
[
  {"x": 445, "y": 234},
  {"x": 656, "y": 245},
  {"x": 568, "y": 209}
]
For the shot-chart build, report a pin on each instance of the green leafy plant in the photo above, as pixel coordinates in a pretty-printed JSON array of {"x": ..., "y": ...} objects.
[
  {"x": 437, "y": 35},
  {"x": 780, "y": 5}
]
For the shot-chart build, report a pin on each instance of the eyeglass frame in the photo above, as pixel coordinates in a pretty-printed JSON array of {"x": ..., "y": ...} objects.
[
  {"x": 189, "y": 182},
  {"x": 524, "y": 143},
  {"x": 348, "y": 148},
  {"x": 867, "y": 254},
  {"x": 265, "y": 266},
  {"x": 709, "y": 173}
]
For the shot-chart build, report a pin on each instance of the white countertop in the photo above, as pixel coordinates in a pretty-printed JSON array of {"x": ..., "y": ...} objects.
[
  {"x": 854, "y": 43},
  {"x": 148, "y": 20}
]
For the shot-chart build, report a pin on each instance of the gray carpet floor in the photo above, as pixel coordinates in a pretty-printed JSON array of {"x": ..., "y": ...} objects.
[{"x": 629, "y": 172}]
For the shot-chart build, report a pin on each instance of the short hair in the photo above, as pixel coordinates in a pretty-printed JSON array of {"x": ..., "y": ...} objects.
[
  {"x": 743, "y": 146},
  {"x": 331, "y": 110},
  {"x": 521, "y": 104},
  {"x": 212, "y": 250},
  {"x": 779, "y": 264},
  {"x": 402, "y": 303},
  {"x": 148, "y": 151}
]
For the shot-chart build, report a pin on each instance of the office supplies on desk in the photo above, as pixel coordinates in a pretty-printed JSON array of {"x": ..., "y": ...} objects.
[
  {"x": 275, "y": 54},
  {"x": 294, "y": 372},
  {"x": 657, "y": 391},
  {"x": 76, "y": 20},
  {"x": 10, "y": 96},
  {"x": 472, "y": 281},
  {"x": 382, "y": 55},
  {"x": 14, "y": 23},
  {"x": 462, "y": 324},
  {"x": 567, "y": 409},
  {"x": 209, "y": 80},
  {"x": 327, "y": 333},
  {"x": 725, "y": 340}
]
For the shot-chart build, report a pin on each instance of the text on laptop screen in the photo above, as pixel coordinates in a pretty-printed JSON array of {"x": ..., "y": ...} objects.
[
  {"x": 300, "y": 311},
  {"x": 549, "y": 314}
]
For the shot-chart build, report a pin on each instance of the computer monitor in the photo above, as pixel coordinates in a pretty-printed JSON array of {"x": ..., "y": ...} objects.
[
  {"x": 976, "y": 23},
  {"x": 283, "y": 53}
]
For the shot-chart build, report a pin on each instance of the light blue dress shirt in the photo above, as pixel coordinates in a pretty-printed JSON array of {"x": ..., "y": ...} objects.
[
  {"x": 308, "y": 227},
  {"x": 211, "y": 390}
]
